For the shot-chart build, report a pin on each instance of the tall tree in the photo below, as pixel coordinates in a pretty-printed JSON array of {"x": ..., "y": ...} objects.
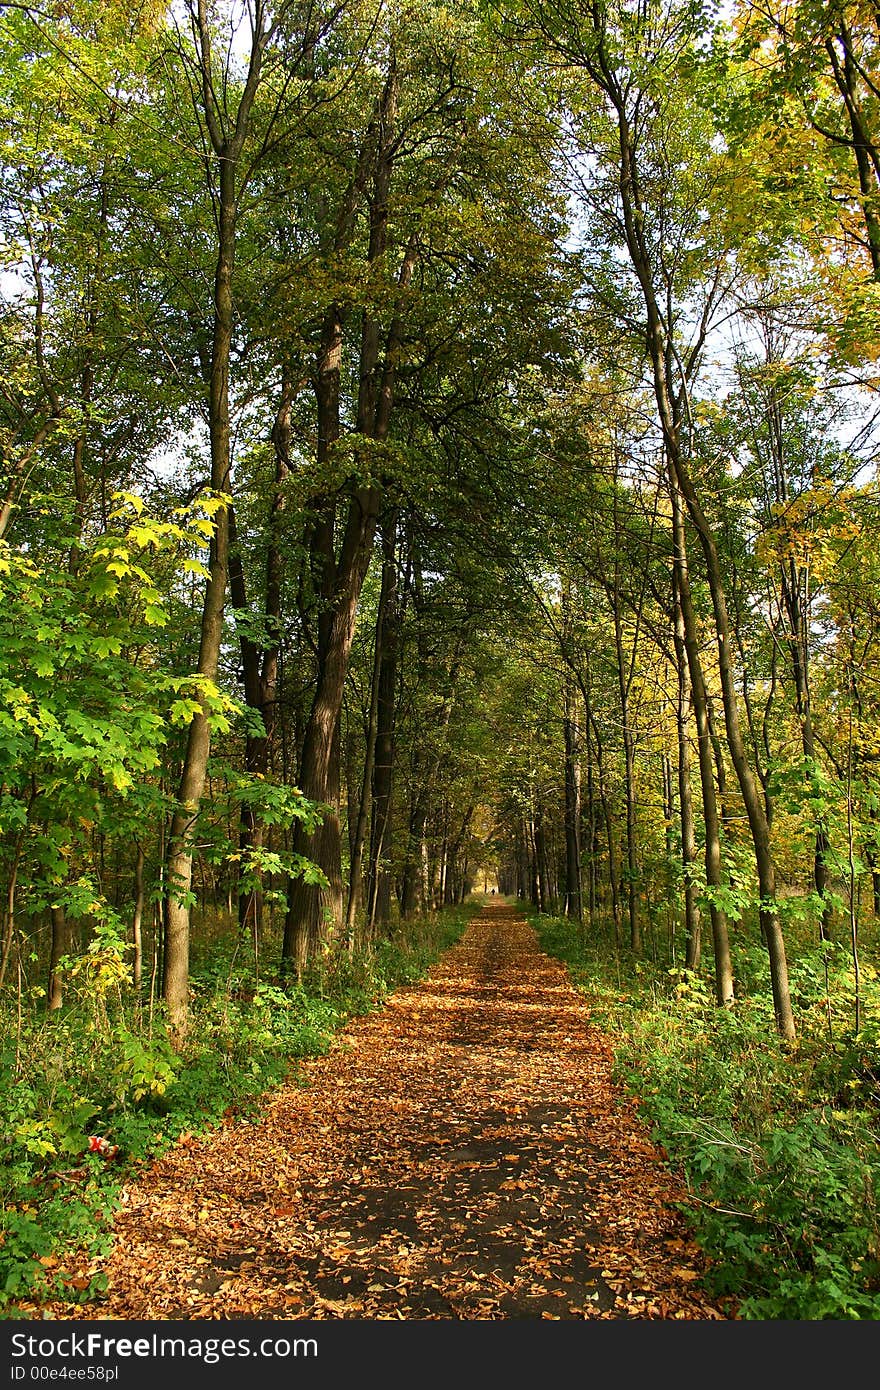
[
  {"x": 653, "y": 188},
  {"x": 224, "y": 107}
]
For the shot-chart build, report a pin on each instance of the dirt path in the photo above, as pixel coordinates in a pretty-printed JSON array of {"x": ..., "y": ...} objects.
[{"x": 460, "y": 1154}]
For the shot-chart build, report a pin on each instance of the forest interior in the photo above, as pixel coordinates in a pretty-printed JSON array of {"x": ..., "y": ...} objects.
[{"x": 440, "y": 659}]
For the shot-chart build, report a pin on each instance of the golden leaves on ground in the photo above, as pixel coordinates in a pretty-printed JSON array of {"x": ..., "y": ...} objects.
[{"x": 460, "y": 1154}]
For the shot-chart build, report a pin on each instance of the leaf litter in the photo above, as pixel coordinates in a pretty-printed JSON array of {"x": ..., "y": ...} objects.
[{"x": 461, "y": 1154}]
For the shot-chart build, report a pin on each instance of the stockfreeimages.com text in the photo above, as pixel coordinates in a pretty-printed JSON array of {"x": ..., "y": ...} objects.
[{"x": 210, "y": 1350}]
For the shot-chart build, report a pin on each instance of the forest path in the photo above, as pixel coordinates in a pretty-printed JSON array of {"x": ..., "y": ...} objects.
[{"x": 461, "y": 1153}]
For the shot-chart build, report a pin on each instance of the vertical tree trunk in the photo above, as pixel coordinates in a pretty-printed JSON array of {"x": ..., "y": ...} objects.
[
  {"x": 574, "y": 906},
  {"x": 383, "y": 766},
  {"x": 845, "y": 68},
  {"x": 687, "y": 639},
  {"x": 59, "y": 948},
  {"x": 309, "y": 909},
  {"x": 364, "y": 802},
  {"x": 607, "y": 816},
  {"x": 752, "y": 796},
  {"x": 632, "y": 872},
  {"x": 670, "y": 383},
  {"x": 313, "y": 908},
  {"x": 523, "y": 862},
  {"x": 796, "y": 609},
  {"x": 425, "y": 876},
  {"x": 661, "y": 362},
  {"x": 592, "y": 822},
  {"x": 536, "y": 885},
  {"x": 175, "y": 985},
  {"x": 137, "y": 964},
  {"x": 227, "y": 144},
  {"x": 874, "y": 867},
  {"x": 685, "y": 799},
  {"x": 668, "y": 805},
  {"x": 412, "y": 864},
  {"x": 452, "y": 887},
  {"x": 724, "y": 808},
  {"x": 260, "y": 666}
]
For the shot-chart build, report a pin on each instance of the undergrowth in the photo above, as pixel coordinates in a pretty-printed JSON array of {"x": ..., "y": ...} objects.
[
  {"x": 780, "y": 1146},
  {"x": 102, "y": 1068}
]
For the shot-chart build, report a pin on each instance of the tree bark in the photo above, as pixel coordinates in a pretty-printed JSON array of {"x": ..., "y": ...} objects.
[
  {"x": 365, "y": 801},
  {"x": 413, "y": 863},
  {"x": 179, "y": 864},
  {"x": 305, "y": 922},
  {"x": 632, "y": 872},
  {"x": 59, "y": 948},
  {"x": 137, "y": 964},
  {"x": 383, "y": 766},
  {"x": 685, "y": 799},
  {"x": 687, "y": 633},
  {"x": 227, "y": 143},
  {"x": 607, "y": 816},
  {"x": 574, "y": 906},
  {"x": 260, "y": 664}
]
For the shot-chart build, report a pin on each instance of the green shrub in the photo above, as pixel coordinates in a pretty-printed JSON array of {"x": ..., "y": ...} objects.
[
  {"x": 106, "y": 1068},
  {"x": 779, "y": 1147}
]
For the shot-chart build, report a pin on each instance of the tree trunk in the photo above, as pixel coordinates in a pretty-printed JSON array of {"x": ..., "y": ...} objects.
[
  {"x": 613, "y": 876},
  {"x": 305, "y": 922},
  {"x": 685, "y": 799},
  {"x": 59, "y": 949},
  {"x": 796, "y": 611},
  {"x": 662, "y": 364},
  {"x": 412, "y": 864},
  {"x": 313, "y": 908},
  {"x": 227, "y": 144},
  {"x": 364, "y": 803},
  {"x": 592, "y": 824},
  {"x": 137, "y": 964},
  {"x": 383, "y": 767},
  {"x": 632, "y": 873},
  {"x": 574, "y": 906},
  {"x": 175, "y": 988},
  {"x": 260, "y": 666},
  {"x": 687, "y": 634},
  {"x": 752, "y": 796}
]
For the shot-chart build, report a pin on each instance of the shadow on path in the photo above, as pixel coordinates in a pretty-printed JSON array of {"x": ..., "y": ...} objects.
[{"x": 462, "y": 1153}]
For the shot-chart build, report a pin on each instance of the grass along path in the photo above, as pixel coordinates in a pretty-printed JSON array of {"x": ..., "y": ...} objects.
[{"x": 462, "y": 1153}]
